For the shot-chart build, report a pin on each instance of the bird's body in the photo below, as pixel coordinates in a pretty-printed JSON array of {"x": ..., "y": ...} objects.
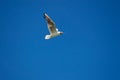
[
  {"x": 52, "y": 35},
  {"x": 51, "y": 27}
]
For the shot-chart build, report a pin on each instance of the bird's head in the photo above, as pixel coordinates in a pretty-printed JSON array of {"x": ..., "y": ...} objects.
[{"x": 61, "y": 33}]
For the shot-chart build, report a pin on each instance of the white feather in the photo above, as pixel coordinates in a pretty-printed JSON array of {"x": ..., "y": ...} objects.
[
  {"x": 47, "y": 37},
  {"x": 56, "y": 29}
]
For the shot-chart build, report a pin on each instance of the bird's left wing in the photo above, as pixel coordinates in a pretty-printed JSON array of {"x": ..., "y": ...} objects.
[{"x": 51, "y": 25}]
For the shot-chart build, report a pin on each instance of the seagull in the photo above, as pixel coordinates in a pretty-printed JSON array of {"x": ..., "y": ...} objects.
[{"x": 51, "y": 27}]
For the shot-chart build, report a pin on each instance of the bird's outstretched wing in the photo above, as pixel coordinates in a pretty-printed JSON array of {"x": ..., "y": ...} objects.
[{"x": 51, "y": 24}]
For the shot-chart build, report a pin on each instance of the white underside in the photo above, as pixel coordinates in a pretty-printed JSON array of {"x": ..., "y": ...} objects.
[
  {"x": 52, "y": 35},
  {"x": 47, "y": 37}
]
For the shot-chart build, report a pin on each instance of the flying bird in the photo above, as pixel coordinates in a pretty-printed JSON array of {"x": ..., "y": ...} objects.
[{"x": 51, "y": 27}]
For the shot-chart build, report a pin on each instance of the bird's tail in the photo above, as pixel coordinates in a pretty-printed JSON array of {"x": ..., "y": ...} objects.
[{"x": 47, "y": 37}]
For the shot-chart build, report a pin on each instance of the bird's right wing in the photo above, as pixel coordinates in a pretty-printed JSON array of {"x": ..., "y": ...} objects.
[{"x": 51, "y": 24}]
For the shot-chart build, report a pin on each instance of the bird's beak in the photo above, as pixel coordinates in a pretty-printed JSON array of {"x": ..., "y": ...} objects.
[{"x": 61, "y": 32}]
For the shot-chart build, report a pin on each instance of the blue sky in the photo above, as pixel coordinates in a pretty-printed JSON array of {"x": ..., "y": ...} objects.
[{"x": 89, "y": 49}]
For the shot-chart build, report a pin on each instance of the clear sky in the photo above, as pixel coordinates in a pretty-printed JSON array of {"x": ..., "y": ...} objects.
[{"x": 89, "y": 49}]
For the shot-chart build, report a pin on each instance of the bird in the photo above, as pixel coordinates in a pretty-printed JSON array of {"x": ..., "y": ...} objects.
[{"x": 51, "y": 27}]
